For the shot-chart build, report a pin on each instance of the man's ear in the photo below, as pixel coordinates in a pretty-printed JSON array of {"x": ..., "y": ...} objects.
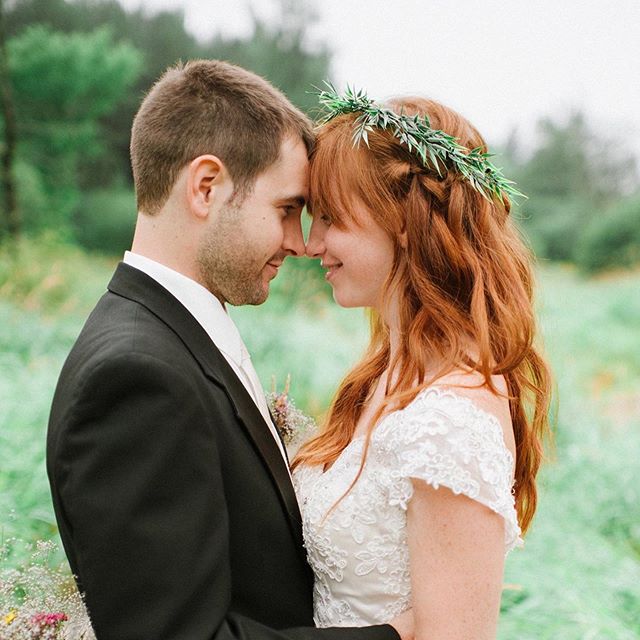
[{"x": 207, "y": 177}]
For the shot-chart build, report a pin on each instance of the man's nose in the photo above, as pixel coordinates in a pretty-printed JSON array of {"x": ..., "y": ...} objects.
[
  {"x": 293, "y": 241},
  {"x": 315, "y": 242}
]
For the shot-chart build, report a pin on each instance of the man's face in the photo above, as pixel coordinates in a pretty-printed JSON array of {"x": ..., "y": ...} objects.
[{"x": 247, "y": 241}]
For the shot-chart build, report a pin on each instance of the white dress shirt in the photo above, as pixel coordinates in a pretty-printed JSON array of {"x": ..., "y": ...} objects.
[{"x": 214, "y": 319}]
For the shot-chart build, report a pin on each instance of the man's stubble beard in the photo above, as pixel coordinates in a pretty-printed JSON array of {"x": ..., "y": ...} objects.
[{"x": 225, "y": 264}]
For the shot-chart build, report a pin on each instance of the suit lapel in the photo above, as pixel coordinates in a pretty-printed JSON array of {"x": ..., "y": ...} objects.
[
  {"x": 135, "y": 285},
  {"x": 284, "y": 446}
]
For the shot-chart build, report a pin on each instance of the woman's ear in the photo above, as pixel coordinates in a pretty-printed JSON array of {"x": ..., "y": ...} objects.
[
  {"x": 402, "y": 239},
  {"x": 207, "y": 176}
]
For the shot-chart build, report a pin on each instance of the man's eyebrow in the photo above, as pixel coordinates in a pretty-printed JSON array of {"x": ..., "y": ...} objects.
[{"x": 296, "y": 201}]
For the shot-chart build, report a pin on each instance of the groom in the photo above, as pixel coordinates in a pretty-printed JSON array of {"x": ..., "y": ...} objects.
[{"x": 170, "y": 484}]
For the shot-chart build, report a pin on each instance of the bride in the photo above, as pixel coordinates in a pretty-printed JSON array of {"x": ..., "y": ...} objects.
[{"x": 423, "y": 476}]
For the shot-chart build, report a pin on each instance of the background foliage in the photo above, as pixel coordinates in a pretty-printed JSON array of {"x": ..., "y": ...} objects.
[{"x": 63, "y": 85}]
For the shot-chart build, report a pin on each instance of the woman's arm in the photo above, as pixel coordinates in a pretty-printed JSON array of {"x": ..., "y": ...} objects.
[{"x": 456, "y": 548}]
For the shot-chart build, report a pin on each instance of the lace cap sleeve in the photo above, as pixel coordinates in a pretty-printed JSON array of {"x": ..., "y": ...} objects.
[{"x": 446, "y": 440}]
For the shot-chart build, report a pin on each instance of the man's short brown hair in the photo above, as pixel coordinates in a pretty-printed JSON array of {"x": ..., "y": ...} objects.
[{"x": 209, "y": 107}]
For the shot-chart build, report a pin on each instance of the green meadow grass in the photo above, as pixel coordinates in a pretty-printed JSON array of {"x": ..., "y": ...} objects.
[{"x": 578, "y": 575}]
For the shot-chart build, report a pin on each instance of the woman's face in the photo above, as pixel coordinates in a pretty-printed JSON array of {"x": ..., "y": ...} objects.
[{"x": 358, "y": 258}]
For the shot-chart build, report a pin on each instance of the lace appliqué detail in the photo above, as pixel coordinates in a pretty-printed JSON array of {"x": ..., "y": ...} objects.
[{"x": 358, "y": 552}]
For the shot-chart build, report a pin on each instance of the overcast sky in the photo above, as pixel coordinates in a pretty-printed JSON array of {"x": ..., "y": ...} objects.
[{"x": 501, "y": 63}]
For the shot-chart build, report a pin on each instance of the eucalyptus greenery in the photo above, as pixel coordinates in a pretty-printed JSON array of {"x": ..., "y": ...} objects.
[{"x": 435, "y": 148}]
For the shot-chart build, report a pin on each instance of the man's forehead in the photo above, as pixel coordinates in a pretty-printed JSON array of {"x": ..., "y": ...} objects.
[{"x": 288, "y": 177}]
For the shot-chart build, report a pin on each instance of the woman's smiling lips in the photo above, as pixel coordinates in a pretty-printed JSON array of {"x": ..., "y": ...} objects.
[{"x": 331, "y": 269}]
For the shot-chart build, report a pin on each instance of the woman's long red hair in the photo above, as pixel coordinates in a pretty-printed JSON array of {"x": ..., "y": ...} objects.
[{"x": 463, "y": 278}]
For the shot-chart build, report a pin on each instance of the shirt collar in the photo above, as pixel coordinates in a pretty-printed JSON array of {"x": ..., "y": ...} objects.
[{"x": 198, "y": 300}]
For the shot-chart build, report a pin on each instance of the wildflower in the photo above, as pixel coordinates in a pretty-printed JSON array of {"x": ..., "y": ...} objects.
[
  {"x": 10, "y": 617},
  {"x": 45, "y": 602},
  {"x": 53, "y": 620}
]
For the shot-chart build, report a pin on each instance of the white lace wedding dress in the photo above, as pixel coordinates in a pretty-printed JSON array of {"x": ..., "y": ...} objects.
[{"x": 359, "y": 553}]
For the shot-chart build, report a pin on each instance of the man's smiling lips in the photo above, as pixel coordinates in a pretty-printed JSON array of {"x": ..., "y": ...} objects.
[
  {"x": 274, "y": 266},
  {"x": 331, "y": 269}
]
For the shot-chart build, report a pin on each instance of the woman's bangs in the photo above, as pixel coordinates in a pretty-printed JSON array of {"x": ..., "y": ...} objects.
[{"x": 331, "y": 179}]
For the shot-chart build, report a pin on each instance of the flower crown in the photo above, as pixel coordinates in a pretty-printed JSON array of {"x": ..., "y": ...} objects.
[{"x": 434, "y": 147}]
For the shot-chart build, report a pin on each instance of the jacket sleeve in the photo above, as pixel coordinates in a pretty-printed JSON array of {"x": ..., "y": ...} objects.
[{"x": 137, "y": 474}]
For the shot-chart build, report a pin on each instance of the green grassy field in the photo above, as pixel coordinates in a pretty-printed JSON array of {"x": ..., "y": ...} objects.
[{"x": 577, "y": 577}]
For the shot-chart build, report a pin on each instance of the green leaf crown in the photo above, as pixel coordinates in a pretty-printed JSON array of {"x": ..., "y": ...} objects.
[{"x": 435, "y": 148}]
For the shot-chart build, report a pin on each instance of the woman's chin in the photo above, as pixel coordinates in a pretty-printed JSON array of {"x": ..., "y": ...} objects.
[{"x": 346, "y": 300}]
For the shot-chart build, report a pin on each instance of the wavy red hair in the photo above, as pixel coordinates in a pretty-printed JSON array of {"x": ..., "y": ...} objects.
[{"x": 463, "y": 278}]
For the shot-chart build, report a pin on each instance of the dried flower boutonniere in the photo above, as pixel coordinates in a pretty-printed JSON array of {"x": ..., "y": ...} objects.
[{"x": 293, "y": 425}]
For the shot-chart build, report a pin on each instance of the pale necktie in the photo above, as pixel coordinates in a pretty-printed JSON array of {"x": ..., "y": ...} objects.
[{"x": 258, "y": 395}]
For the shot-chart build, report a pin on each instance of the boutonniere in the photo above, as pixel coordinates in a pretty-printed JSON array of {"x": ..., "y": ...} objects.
[{"x": 293, "y": 425}]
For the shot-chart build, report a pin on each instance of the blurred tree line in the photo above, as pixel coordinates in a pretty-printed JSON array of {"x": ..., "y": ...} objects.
[
  {"x": 583, "y": 193},
  {"x": 73, "y": 73}
]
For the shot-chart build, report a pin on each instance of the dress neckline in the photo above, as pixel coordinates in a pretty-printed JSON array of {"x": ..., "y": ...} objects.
[{"x": 438, "y": 391}]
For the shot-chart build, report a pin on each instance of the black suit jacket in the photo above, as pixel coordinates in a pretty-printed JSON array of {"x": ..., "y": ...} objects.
[{"x": 173, "y": 501}]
